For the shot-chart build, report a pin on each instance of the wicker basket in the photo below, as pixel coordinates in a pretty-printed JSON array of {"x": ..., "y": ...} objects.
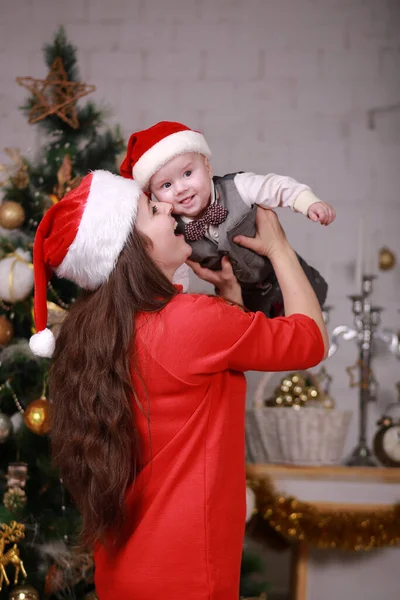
[
  {"x": 255, "y": 447},
  {"x": 310, "y": 436}
]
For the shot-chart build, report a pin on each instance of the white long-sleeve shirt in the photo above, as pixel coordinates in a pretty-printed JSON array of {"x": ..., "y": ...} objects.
[{"x": 273, "y": 191}]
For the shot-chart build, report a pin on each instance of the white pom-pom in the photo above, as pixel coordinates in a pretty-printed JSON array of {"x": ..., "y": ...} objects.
[
  {"x": 43, "y": 343},
  {"x": 250, "y": 504}
]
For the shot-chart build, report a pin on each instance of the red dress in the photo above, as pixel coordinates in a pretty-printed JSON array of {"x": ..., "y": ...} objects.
[{"x": 187, "y": 506}]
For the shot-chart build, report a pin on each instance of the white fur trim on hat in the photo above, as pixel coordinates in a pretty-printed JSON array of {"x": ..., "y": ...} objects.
[
  {"x": 43, "y": 343},
  {"x": 107, "y": 220},
  {"x": 169, "y": 147}
]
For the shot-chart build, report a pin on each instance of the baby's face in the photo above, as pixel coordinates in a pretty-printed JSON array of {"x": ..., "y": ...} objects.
[{"x": 184, "y": 182}]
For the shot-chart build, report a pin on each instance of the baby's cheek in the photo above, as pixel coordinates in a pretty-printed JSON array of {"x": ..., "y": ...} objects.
[
  {"x": 176, "y": 208},
  {"x": 165, "y": 196}
]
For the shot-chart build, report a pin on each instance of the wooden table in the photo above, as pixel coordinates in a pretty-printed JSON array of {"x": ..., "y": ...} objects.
[{"x": 341, "y": 488}]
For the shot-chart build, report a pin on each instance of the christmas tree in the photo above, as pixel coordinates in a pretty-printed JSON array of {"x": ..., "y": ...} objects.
[
  {"x": 75, "y": 141},
  {"x": 252, "y": 576}
]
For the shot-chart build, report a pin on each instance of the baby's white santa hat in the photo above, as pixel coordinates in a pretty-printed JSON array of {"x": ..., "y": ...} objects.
[
  {"x": 152, "y": 148},
  {"x": 80, "y": 238}
]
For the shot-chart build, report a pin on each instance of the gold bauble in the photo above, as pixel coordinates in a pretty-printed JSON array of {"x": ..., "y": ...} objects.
[
  {"x": 288, "y": 400},
  {"x": 14, "y": 499},
  {"x": 37, "y": 416},
  {"x": 286, "y": 385},
  {"x": 12, "y": 215},
  {"x": 297, "y": 390},
  {"x": 298, "y": 379},
  {"x": 287, "y": 382},
  {"x": 312, "y": 393},
  {"x": 24, "y": 592},
  {"x": 6, "y": 330},
  {"x": 387, "y": 259}
]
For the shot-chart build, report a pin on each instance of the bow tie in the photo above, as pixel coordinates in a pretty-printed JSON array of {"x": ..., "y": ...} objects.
[{"x": 214, "y": 215}]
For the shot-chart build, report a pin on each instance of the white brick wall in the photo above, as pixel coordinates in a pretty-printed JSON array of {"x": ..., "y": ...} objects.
[{"x": 275, "y": 86}]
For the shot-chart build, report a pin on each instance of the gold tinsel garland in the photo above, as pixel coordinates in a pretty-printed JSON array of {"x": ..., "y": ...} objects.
[{"x": 326, "y": 529}]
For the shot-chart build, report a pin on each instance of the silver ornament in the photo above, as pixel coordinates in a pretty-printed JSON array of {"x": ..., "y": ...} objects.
[{"x": 5, "y": 427}]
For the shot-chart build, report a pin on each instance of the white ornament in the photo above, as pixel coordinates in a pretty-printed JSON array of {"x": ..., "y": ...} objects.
[
  {"x": 250, "y": 503},
  {"x": 16, "y": 276}
]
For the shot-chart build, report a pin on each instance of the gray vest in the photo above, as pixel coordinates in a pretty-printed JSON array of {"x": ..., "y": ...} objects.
[{"x": 249, "y": 267}]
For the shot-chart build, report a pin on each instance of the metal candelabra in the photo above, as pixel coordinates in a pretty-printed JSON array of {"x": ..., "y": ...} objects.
[{"x": 365, "y": 331}]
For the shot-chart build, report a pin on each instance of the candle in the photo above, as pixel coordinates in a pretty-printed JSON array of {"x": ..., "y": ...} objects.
[
  {"x": 369, "y": 251},
  {"x": 360, "y": 254},
  {"x": 371, "y": 265}
]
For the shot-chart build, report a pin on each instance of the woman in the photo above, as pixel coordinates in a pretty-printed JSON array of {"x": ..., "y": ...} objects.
[{"x": 148, "y": 388}]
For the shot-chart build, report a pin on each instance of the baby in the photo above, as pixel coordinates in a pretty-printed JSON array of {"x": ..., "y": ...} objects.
[{"x": 172, "y": 162}]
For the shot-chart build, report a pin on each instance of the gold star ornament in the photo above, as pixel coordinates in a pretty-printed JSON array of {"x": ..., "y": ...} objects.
[
  {"x": 368, "y": 376},
  {"x": 55, "y": 95}
]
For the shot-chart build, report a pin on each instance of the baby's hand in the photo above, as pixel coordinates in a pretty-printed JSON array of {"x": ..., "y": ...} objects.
[{"x": 322, "y": 212}]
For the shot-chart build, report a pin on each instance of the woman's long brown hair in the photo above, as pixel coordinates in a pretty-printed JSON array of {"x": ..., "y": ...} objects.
[{"x": 94, "y": 438}]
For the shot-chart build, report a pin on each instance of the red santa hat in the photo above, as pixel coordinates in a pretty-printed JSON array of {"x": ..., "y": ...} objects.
[
  {"x": 152, "y": 148},
  {"x": 80, "y": 238}
]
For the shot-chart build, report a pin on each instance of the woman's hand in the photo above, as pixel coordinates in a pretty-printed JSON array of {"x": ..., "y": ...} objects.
[
  {"x": 270, "y": 236},
  {"x": 224, "y": 280}
]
